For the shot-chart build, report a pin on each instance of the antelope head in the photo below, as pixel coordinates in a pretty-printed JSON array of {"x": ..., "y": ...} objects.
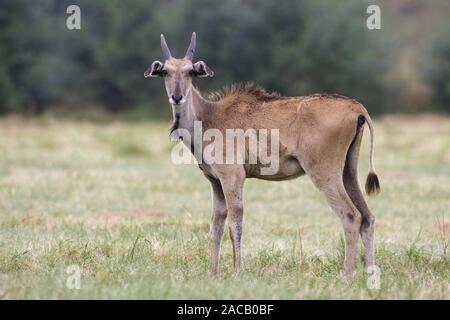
[{"x": 178, "y": 73}]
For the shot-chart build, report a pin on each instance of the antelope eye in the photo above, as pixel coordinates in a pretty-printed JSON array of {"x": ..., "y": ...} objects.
[
  {"x": 191, "y": 72},
  {"x": 163, "y": 72}
]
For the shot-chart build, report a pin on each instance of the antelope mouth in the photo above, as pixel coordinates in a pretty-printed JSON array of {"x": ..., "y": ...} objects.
[{"x": 178, "y": 102}]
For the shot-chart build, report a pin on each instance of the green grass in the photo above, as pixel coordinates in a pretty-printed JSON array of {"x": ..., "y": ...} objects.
[{"x": 106, "y": 197}]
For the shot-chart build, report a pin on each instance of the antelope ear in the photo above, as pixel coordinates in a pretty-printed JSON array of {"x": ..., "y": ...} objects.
[
  {"x": 202, "y": 70},
  {"x": 155, "y": 70}
]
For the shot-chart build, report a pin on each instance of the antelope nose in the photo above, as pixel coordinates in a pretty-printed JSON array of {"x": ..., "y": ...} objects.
[{"x": 177, "y": 99}]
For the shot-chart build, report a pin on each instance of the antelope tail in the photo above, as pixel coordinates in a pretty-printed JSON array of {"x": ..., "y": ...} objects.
[{"x": 372, "y": 182}]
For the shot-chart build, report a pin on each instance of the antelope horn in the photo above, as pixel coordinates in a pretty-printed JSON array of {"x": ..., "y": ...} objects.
[
  {"x": 165, "y": 48},
  {"x": 190, "y": 51}
]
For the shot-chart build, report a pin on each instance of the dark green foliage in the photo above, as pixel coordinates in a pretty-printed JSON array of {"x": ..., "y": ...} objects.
[
  {"x": 295, "y": 47},
  {"x": 438, "y": 71}
]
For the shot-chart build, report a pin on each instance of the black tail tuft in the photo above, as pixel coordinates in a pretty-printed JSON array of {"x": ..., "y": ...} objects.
[{"x": 372, "y": 184}]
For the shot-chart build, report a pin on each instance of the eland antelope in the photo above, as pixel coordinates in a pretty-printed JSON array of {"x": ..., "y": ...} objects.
[{"x": 319, "y": 135}]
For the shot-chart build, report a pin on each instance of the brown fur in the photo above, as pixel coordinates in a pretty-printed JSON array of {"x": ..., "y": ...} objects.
[
  {"x": 249, "y": 89},
  {"x": 261, "y": 94}
]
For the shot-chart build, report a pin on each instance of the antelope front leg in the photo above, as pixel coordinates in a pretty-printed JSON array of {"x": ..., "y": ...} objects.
[
  {"x": 232, "y": 185},
  {"x": 217, "y": 222}
]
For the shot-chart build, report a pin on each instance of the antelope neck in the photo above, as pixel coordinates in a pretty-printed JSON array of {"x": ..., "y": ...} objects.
[{"x": 196, "y": 108}]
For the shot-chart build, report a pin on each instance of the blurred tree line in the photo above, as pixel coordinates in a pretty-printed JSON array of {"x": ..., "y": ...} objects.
[
  {"x": 438, "y": 71},
  {"x": 296, "y": 47}
]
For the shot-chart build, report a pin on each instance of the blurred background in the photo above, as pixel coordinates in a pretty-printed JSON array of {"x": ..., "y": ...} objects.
[
  {"x": 85, "y": 171},
  {"x": 296, "y": 47}
]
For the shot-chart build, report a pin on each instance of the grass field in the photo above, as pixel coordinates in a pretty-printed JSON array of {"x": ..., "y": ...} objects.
[{"x": 107, "y": 199}]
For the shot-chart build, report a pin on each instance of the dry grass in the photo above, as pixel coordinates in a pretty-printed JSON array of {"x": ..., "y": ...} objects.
[{"x": 107, "y": 198}]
